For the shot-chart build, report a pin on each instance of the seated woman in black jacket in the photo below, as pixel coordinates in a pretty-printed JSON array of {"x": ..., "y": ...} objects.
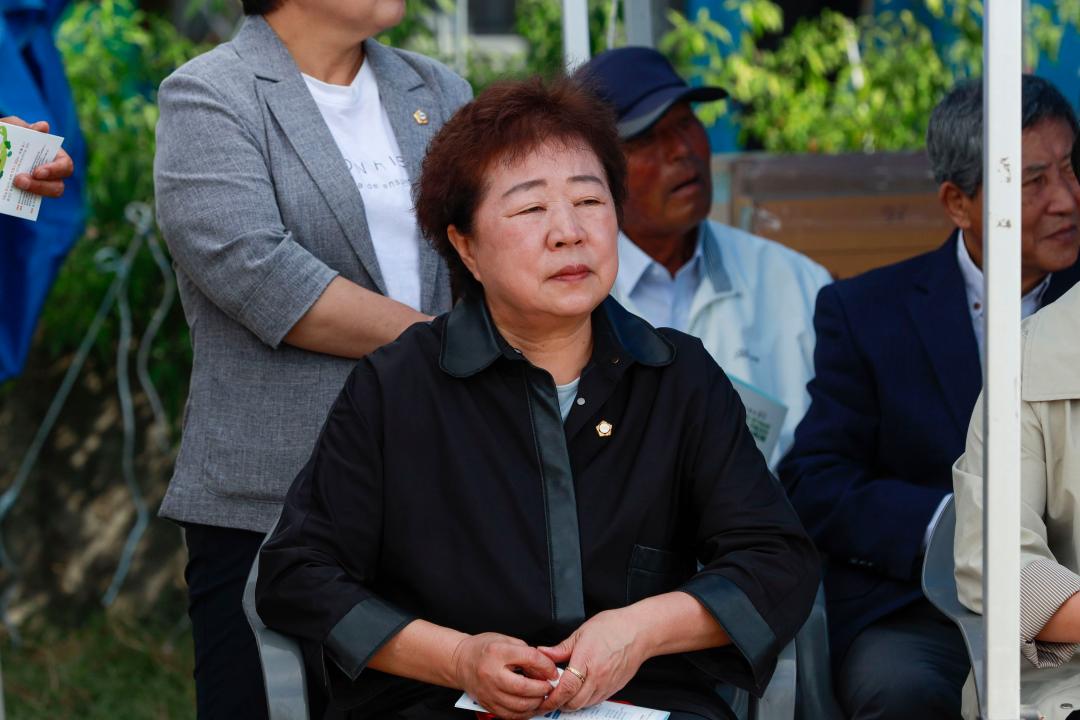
[{"x": 532, "y": 480}]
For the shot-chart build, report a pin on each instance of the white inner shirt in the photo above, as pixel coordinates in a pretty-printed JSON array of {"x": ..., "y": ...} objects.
[
  {"x": 567, "y": 393},
  {"x": 973, "y": 285},
  {"x": 661, "y": 299},
  {"x": 362, "y": 131}
]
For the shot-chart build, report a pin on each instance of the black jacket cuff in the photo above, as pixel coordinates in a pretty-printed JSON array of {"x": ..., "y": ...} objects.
[
  {"x": 749, "y": 632},
  {"x": 360, "y": 634}
]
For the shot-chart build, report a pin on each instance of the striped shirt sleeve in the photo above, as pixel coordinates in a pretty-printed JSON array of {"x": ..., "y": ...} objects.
[{"x": 1044, "y": 588}]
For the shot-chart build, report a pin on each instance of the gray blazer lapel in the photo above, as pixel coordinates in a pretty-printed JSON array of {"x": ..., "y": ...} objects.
[
  {"x": 404, "y": 94},
  {"x": 295, "y": 110}
]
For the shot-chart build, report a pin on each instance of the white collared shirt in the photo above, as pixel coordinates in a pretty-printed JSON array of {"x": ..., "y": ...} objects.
[
  {"x": 973, "y": 285},
  {"x": 663, "y": 300},
  {"x": 752, "y": 307}
]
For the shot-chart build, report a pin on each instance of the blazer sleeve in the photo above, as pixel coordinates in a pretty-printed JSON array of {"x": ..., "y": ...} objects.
[
  {"x": 760, "y": 571},
  {"x": 1045, "y": 584},
  {"x": 853, "y": 512},
  {"x": 317, "y": 568},
  {"x": 218, "y": 212}
]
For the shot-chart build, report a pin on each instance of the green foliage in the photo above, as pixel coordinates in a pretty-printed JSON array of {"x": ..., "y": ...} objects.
[
  {"x": 834, "y": 84},
  {"x": 116, "y": 56},
  {"x": 540, "y": 23},
  {"x": 105, "y": 669},
  {"x": 416, "y": 31}
]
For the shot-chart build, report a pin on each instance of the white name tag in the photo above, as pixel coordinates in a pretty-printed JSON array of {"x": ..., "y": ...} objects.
[
  {"x": 22, "y": 151},
  {"x": 603, "y": 711},
  {"x": 764, "y": 415}
]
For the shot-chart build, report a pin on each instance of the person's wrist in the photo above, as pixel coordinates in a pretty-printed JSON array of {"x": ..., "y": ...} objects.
[
  {"x": 637, "y": 620},
  {"x": 457, "y": 662}
]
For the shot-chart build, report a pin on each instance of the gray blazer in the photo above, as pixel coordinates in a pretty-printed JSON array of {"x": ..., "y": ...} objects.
[{"x": 260, "y": 213}]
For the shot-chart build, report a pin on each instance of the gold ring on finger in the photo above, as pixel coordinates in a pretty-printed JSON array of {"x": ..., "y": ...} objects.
[{"x": 580, "y": 675}]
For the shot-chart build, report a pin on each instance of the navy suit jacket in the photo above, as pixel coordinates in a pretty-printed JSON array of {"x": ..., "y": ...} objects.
[{"x": 897, "y": 375}]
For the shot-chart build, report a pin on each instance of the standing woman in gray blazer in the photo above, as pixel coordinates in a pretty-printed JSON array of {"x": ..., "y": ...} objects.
[{"x": 283, "y": 174}]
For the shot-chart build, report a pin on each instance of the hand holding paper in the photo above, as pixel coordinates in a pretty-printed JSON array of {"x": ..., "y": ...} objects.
[
  {"x": 606, "y": 650},
  {"x": 32, "y": 165},
  {"x": 485, "y": 665}
]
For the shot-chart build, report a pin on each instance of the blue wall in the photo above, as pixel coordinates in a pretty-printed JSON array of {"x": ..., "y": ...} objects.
[{"x": 1065, "y": 73}]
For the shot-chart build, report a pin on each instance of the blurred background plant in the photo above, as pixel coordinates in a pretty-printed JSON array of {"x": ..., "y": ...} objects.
[
  {"x": 116, "y": 55},
  {"x": 840, "y": 84}
]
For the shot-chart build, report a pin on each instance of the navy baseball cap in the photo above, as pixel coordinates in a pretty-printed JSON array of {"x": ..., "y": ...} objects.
[{"x": 641, "y": 85}]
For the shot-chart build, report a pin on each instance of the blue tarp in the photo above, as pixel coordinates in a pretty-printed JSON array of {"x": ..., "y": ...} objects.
[{"x": 34, "y": 87}]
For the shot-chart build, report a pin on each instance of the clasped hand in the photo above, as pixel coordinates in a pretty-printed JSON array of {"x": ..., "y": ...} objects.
[{"x": 511, "y": 679}]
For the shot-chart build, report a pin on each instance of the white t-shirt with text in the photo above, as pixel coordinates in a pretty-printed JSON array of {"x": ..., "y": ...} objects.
[{"x": 362, "y": 131}]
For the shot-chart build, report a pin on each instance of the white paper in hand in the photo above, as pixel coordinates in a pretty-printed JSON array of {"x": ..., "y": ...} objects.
[
  {"x": 22, "y": 151},
  {"x": 603, "y": 711}
]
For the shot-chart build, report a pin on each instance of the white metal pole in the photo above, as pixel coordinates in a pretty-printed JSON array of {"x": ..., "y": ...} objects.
[
  {"x": 639, "y": 23},
  {"x": 1002, "y": 62},
  {"x": 461, "y": 36},
  {"x": 576, "y": 49}
]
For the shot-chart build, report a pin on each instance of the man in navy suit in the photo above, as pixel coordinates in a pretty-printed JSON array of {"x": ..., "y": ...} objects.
[{"x": 898, "y": 369}]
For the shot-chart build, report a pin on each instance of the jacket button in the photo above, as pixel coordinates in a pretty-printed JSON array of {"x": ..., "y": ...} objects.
[{"x": 615, "y": 360}]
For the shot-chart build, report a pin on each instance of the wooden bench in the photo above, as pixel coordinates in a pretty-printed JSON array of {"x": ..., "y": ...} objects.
[{"x": 849, "y": 212}]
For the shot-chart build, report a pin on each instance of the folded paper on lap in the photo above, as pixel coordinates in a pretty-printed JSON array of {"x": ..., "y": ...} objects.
[{"x": 603, "y": 711}]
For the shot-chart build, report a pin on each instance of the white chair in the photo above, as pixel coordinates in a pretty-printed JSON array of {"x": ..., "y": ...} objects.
[
  {"x": 282, "y": 662},
  {"x": 939, "y": 587}
]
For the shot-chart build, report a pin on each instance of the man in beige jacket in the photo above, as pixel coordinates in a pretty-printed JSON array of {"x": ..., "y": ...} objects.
[{"x": 1049, "y": 513}]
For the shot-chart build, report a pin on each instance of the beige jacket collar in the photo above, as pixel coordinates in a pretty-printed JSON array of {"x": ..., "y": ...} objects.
[{"x": 1051, "y": 363}]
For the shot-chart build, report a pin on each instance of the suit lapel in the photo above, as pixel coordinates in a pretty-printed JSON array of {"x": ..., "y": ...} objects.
[
  {"x": 299, "y": 117},
  {"x": 414, "y": 115},
  {"x": 295, "y": 111},
  {"x": 937, "y": 304}
]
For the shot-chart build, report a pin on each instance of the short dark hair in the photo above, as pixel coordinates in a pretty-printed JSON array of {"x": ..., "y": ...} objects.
[
  {"x": 954, "y": 138},
  {"x": 506, "y": 122},
  {"x": 259, "y": 7}
]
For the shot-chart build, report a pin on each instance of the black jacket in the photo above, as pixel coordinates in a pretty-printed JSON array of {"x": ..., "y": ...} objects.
[{"x": 445, "y": 486}]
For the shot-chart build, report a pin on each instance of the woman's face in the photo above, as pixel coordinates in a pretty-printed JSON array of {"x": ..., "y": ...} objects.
[
  {"x": 368, "y": 16},
  {"x": 544, "y": 235}
]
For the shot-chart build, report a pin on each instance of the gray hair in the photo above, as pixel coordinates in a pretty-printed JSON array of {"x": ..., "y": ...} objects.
[{"x": 954, "y": 138}]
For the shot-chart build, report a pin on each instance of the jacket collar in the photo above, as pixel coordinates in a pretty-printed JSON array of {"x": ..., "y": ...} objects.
[
  {"x": 937, "y": 304},
  {"x": 1052, "y": 351},
  {"x": 713, "y": 254},
  {"x": 263, "y": 51},
  {"x": 634, "y": 262},
  {"x": 471, "y": 343}
]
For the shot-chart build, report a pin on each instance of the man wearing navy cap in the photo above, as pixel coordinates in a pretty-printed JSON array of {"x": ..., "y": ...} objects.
[{"x": 749, "y": 299}]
